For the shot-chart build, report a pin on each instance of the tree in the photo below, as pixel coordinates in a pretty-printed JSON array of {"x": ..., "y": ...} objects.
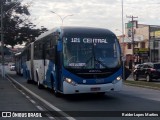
[{"x": 16, "y": 24}]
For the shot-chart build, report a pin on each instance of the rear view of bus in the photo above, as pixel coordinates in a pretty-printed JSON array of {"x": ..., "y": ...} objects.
[{"x": 90, "y": 60}]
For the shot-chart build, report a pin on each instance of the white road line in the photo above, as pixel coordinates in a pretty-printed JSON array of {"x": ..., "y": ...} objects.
[
  {"x": 50, "y": 117},
  {"x": 44, "y": 101},
  {"x": 23, "y": 93},
  {"x": 40, "y": 108},
  {"x": 32, "y": 101},
  {"x": 27, "y": 97}
]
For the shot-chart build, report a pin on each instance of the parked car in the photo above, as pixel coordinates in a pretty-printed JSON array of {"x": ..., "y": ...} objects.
[
  {"x": 148, "y": 71},
  {"x": 137, "y": 65},
  {"x": 12, "y": 67}
]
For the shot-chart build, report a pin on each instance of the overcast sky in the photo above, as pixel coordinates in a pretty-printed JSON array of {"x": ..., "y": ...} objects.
[{"x": 93, "y": 13}]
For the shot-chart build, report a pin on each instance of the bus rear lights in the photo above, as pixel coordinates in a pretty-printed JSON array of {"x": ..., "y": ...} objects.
[{"x": 70, "y": 81}]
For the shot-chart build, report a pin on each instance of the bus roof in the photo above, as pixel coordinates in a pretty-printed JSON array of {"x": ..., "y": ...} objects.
[
  {"x": 65, "y": 30},
  {"x": 87, "y": 30}
]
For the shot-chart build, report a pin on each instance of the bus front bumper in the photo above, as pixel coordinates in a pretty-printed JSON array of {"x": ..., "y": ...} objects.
[{"x": 82, "y": 88}]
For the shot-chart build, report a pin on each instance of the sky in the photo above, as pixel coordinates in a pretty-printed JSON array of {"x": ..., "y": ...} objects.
[{"x": 93, "y": 13}]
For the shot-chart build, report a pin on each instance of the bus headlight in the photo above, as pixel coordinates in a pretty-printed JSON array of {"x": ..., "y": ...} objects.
[
  {"x": 117, "y": 79},
  {"x": 70, "y": 81}
]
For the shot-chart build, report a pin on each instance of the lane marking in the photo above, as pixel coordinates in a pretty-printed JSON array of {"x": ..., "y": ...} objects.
[
  {"x": 50, "y": 117},
  {"x": 32, "y": 101},
  {"x": 40, "y": 108},
  {"x": 27, "y": 97},
  {"x": 43, "y": 100},
  {"x": 23, "y": 93}
]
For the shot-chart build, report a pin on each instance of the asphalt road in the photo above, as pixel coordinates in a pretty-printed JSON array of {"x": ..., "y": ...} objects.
[
  {"x": 13, "y": 103},
  {"x": 129, "y": 100}
]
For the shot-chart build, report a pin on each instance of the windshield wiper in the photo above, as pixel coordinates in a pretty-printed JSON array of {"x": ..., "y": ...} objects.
[
  {"x": 94, "y": 59},
  {"x": 95, "y": 62},
  {"x": 101, "y": 63},
  {"x": 88, "y": 61}
]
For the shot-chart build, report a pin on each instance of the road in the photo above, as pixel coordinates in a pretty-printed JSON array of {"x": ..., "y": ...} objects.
[{"x": 130, "y": 99}]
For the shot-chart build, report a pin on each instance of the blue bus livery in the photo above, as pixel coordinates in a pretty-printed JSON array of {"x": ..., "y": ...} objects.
[{"x": 72, "y": 60}]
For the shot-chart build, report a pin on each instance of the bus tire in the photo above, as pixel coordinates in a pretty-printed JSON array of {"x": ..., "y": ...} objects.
[
  {"x": 29, "y": 81},
  {"x": 52, "y": 82},
  {"x": 57, "y": 94}
]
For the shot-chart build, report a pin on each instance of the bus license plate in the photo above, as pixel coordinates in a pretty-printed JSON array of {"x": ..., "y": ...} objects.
[{"x": 95, "y": 89}]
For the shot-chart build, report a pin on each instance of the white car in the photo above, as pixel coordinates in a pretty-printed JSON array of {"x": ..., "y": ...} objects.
[{"x": 12, "y": 67}]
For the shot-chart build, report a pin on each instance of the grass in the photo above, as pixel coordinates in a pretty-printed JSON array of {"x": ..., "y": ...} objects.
[{"x": 144, "y": 84}]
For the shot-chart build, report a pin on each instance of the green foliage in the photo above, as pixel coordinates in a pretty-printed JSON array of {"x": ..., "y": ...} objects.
[{"x": 16, "y": 25}]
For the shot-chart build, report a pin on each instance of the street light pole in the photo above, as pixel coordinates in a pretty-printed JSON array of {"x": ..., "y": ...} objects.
[
  {"x": 2, "y": 36},
  {"x": 62, "y": 19},
  {"x": 123, "y": 60},
  {"x": 2, "y": 43}
]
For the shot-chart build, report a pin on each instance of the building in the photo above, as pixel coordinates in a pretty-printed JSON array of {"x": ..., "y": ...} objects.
[
  {"x": 141, "y": 43},
  {"x": 154, "y": 43}
]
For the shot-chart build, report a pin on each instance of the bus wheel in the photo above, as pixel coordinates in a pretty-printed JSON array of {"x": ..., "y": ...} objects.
[
  {"x": 40, "y": 86},
  {"x": 52, "y": 83},
  {"x": 56, "y": 93},
  {"x": 29, "y": 81}
]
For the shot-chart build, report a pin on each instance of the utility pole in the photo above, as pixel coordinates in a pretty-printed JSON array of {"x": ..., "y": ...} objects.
[
  {"x": 2, "y": 42},
  {"x": 123, "y": 60},
  {"x": 132, "y": 21},
  {"x": 2, "y": 2}
]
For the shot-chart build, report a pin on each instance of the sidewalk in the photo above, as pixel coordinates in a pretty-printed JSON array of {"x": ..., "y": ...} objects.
[
  {"x": 130, "y": 77},
  {"x": 11, "y": 99}
]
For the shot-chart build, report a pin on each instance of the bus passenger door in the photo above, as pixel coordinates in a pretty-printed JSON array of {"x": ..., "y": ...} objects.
[{"x": 58, "y": 70}]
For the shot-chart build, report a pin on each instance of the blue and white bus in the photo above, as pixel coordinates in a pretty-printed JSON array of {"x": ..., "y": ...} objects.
[
  {"x": 23, "y": 62},
  {"x": 18, "y": 63},
  {"x": 72, "y": 60}
]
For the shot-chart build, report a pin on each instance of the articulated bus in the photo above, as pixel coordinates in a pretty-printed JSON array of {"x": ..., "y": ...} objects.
[
  {"x": 23, "y": 62},
  {"x": 72, "y": 60},
  {"x": 18, "y": 63}
]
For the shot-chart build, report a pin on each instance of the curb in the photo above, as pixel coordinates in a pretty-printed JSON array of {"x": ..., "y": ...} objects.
[
  {"x": 43, "y": 101},
  {"x": 143, "y": 86}
]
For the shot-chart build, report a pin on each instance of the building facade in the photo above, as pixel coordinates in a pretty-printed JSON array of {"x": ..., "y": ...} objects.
[
  {"x": 141, "y": 43},
  {"x": 154, "y": 43}
]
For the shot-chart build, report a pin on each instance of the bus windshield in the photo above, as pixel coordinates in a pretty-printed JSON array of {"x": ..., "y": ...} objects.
[{"x": 90, "y": 53}]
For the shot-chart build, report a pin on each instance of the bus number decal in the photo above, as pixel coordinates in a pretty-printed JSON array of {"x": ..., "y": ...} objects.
[{"x": 88, "y": 40}]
